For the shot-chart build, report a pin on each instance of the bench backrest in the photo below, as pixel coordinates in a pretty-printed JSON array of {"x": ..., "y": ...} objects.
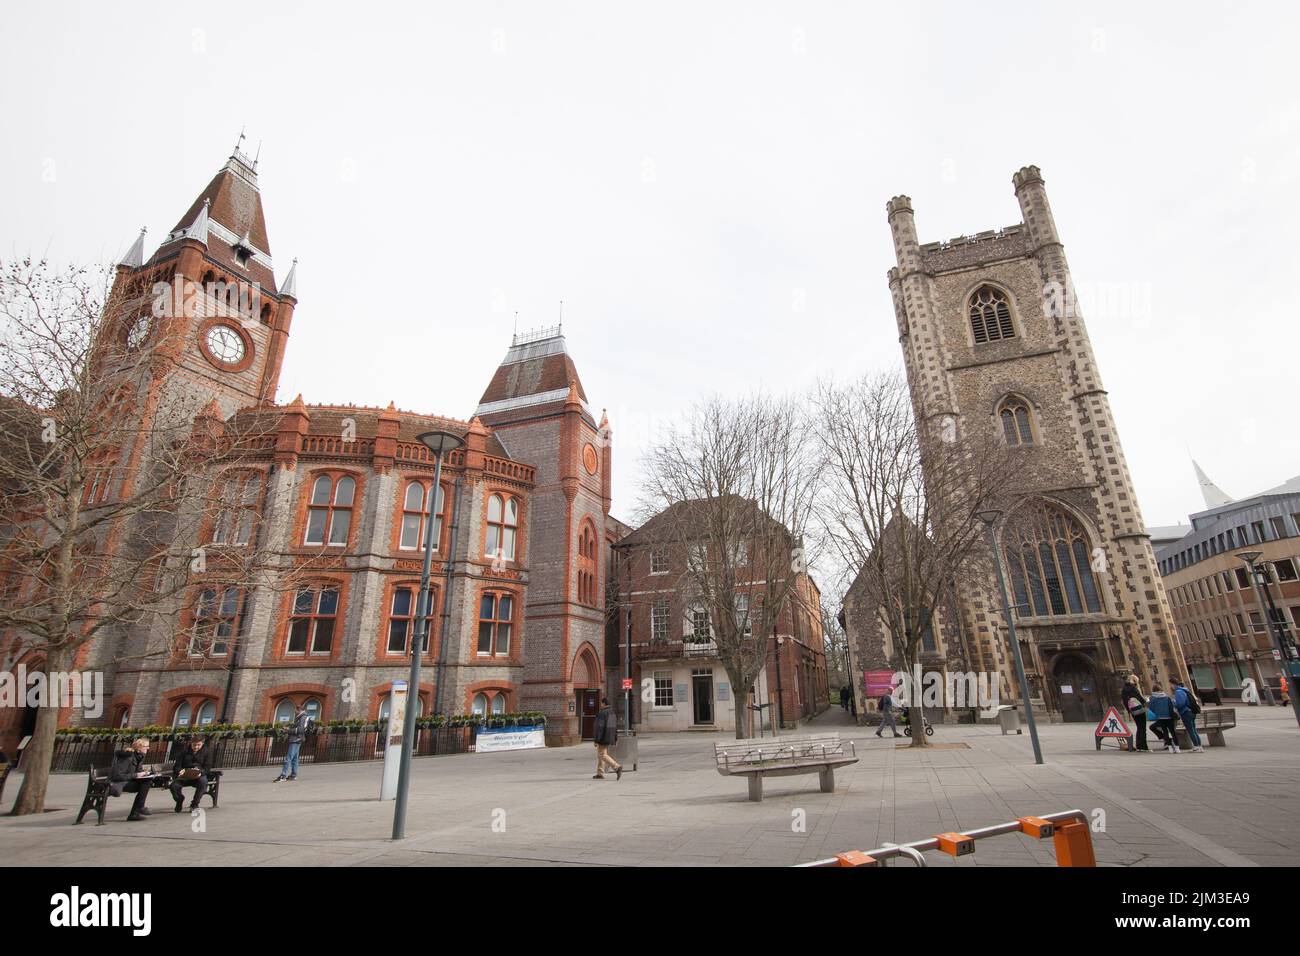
[
  {"x": 1219, "y": 717},
  {"x": 776, "y": 749}
]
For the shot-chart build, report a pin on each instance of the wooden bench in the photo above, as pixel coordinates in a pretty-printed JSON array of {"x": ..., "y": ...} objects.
[
  {"x": 97, "y": 792},
  {"x": 1210, "y": 724},
  {"x": 783, "y": 757}
]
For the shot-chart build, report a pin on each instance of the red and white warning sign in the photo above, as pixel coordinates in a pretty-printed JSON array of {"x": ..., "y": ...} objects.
[
  {"x": 1112, "y": 725},
  {"x": 627, "y": 683}
]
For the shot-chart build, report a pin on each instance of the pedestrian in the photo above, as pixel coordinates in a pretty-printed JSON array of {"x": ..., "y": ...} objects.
[
  {"x": 1187, "y": 706},
  {"x": 297, "y": 734},
  {"x": 1286, "y": 697},
  {"x": 844, "y": 697},
  {"x": 193, "y": 768},
  {"x": 1136, "y": 705},
  {"x": 128, "y": 775},
  {"x": 606, "y": 735},
  {"x": 1162, "y": 709},
  {"x": 887, "y": 714}
]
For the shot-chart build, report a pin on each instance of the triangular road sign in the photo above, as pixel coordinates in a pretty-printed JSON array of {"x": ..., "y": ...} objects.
[{"x": 1112, "y": 725}]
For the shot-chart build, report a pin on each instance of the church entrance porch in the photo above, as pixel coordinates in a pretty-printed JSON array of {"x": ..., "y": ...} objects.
[{"x": 1075, "y": 687}]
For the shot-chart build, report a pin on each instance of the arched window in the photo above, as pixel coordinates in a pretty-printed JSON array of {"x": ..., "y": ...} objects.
[
  {"x": 1050, "y": 558},
  {"x": 990, "y": 315},
  {"x": 330, "y": 508},
  {"x": 499, "y": 703},
  {"x": 1014, "y": 415},
  {"x": 124, "y": 719},
  {"x": 207, "y": 714},
  {"x": 502, "y": 526},
  {"x": 401, "y": 619},
  {"x": 183, "y": 714},
  {"x": 587, "y": 565},
  {"x": 238, "y": 509},
  {"x": 311, "y": 627},
  {"x": 415, "y": 512},
  {"x": 480, "y": 704},
  {"x": 284, "y": 711},
  {"x": 495, "y": 620}
]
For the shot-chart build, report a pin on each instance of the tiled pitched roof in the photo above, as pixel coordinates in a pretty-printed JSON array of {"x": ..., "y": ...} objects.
[{"x": 534, "y": 372}]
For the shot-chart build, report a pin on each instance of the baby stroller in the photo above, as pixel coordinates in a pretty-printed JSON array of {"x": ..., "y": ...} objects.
[{"x": 906, "y": 720}]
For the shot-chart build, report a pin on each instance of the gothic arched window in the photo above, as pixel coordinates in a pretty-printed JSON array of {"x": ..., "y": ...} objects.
[
  {"x": 1050, "y": 558},
  {"x": 1014, "y": 415},
  {"x": 990, "y": 315}
]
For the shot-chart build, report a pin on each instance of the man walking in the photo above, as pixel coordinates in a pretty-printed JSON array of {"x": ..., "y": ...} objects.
[
  {"x": 887, "y": 714},
  {"x": 606, "y": 734},
  {"x": 297, "y": 733},
  {"x": 844, "y": 697}
]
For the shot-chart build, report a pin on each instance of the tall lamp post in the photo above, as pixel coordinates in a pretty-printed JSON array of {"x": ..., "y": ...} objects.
[
  {"x": 1265, "y": 598},
  {"x": 440, "y": 443},
  {"x": 990, "y": 518}
]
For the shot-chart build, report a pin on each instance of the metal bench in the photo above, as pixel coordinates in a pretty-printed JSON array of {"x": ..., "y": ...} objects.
[
  {"x": 783, "y": 757},
  {"x": 97, "y": 792},
  {"x": 1210, "y": 724}
]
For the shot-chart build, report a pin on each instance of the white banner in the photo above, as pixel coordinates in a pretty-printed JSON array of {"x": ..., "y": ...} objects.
[{"x": 495, "y": 739}]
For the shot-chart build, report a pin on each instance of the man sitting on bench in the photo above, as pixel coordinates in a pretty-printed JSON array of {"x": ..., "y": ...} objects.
[
  {"x": 193, "y": 768},
  {"x": 129, "y": 775}
]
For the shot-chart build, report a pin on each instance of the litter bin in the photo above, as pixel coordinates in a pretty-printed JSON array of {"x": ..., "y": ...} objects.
[
  {"x": 624, "y": 751},
  {"x": 1009, "y": 718}
]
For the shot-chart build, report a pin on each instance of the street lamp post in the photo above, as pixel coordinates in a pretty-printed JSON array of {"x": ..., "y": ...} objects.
[
  {"x": 440, "y": 443},
  {"x": 1266, "y": 605},
  {"x": 990, "y": 518},
  {"x": 780, "y": 694}
]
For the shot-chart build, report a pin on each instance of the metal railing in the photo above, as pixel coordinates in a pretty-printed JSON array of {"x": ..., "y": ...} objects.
[
  {"x": 1069, "y": 830},
  {"x": 77, "y": 756}
]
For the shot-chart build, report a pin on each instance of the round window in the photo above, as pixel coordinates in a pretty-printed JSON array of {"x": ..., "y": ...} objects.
[
  {"x": 138, "y": 332},
  {"x": 225, "y": 344}
]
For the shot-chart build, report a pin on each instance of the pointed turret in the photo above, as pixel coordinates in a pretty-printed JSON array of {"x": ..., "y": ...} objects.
[
  {"x": 290, "y": 287},
  {"x": 1215, "y": 497},
  {"x": 134, "y": 257},
  {"x": 227, "y": 217},
  {"x": 198, "y": 229}
]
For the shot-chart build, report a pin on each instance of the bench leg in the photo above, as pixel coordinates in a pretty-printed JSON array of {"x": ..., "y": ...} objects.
[
  {"x": 85, "y": 806},
  {"x": 828, "y": 779},
  {"x": 756, "y": 787},
  {"x": 1215, "y": 738},
  {"x": 212, "y": 791}
]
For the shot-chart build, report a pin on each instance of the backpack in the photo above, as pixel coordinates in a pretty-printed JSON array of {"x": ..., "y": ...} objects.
[{"x": 1193, "y": 704}]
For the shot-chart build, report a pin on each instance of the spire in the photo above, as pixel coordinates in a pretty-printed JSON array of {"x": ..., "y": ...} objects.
[
  {"x": 199, "y": 228},
  {"x": 290, "y": 285},
  {"x": 134, "y": 257},
  {"x": 1214, "y": 496}
]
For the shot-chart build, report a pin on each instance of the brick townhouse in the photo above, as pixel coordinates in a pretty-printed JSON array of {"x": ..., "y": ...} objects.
[{"x": 672, "y": 644}]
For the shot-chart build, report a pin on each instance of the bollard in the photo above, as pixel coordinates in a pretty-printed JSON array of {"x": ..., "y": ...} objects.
[{"x": 1073, "y": 843}]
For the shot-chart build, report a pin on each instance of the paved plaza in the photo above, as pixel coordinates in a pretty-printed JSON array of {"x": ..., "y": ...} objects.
[{"x": 1231, "y": 806}]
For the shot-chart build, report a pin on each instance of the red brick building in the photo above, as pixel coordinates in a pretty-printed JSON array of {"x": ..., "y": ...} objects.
[
  {"x": 340, "y": 496},
  {"x": 673, "y": 648}
]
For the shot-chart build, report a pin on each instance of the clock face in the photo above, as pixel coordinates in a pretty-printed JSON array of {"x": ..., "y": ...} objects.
[
  {"x": 225, "y": 344},
  {"x": 138, "y": 332}
]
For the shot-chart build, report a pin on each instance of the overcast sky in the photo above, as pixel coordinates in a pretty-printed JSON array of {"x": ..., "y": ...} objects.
[{"x": 703, "y": 185}]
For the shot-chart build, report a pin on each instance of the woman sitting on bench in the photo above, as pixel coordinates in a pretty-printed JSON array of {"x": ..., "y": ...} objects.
[{"x": 128, "y": 775}]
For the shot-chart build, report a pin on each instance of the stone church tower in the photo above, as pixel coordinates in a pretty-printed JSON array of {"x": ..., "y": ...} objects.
[{"x": 991, "y": 336}]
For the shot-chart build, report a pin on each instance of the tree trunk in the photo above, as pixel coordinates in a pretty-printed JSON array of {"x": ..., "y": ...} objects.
[{"x": 39, "y": 754}]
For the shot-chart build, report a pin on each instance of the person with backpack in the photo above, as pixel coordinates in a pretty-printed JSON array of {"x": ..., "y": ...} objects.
[
  {"x": 1187, "y": 706},
  {"x": 605, "y": 734},
  {"x": 1165, "y": 717},
  {"x": 887, "y": 714},
  {"x": 1136, "y": 705},
  {"x": 297, "y": 734}
]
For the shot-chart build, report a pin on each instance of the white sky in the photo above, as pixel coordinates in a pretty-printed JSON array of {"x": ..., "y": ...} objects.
[{"x": 704, "y": 187}]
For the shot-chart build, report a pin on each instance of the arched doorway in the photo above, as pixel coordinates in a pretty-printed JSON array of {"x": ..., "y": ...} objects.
[{"x": 1077, "y": 691}]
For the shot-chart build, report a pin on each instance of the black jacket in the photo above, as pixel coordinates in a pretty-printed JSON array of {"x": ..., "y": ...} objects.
[
  {"x": 1130, "y": 694},
  {"x": 606, "y": 731},
  {"x": 189, "y": 760},
  {"x": 298, "y": 729},
  {"x": 126, "y": 764}
]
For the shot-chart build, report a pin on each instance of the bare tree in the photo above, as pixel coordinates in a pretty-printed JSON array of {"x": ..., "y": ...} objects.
[
  {"x": 107, "y": 465},
  {"x": 899, "y": 501},
  {"x": 733, "y": 489}
]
